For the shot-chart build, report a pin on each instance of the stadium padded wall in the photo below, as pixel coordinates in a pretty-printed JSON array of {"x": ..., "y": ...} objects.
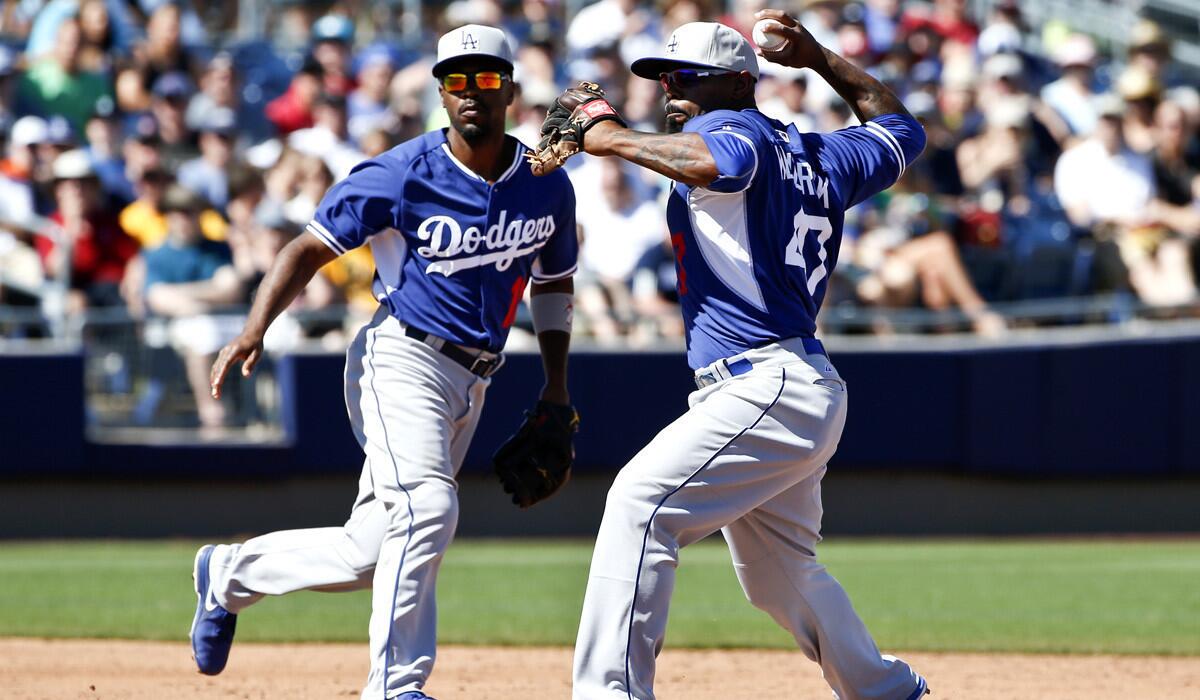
[
  {"x": 42, "y": 412},
  {"x": 1115, "y": 409}
]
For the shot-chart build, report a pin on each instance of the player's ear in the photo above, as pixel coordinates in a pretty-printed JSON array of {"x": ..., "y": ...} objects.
[{"x": 744, "y": 85}]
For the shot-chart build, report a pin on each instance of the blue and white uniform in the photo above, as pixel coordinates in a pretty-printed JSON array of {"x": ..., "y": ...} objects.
[
  {"x": 453, "y": 255},
  {"x": 754, "y": 253}
]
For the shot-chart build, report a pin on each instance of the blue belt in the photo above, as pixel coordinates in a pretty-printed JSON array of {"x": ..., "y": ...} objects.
[{"x": 724, "y": 369}]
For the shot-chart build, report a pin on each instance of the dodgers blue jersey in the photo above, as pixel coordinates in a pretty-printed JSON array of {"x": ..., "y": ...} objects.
[
  {"x": 452, "y": 253},
  {"x": 755, "y": 248}
]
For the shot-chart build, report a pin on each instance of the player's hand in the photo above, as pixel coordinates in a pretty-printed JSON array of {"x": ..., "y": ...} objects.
[
  {"x": 801, "y": 49},
  {"x": 246, "y": 349}
]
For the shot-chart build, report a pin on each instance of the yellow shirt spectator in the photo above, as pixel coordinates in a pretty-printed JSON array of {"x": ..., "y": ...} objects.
[{"x": 144, "y": 222}]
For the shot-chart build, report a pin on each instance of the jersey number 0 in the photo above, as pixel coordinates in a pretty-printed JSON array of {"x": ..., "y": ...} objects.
[{"x": 805, "y": 224}]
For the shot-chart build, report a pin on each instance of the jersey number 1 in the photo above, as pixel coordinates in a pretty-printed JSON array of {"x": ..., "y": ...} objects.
[{"x": 804, "y": 224}]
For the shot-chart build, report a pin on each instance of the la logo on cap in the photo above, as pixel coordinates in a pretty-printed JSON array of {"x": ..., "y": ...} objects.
[
  {"x": 673, "y": 45},
  {"x": 468, "y": 41}
]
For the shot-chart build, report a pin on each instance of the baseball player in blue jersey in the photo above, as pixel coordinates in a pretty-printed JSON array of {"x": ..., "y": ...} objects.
[
  {"x": 755, "y": 216},
  {"x": 457, "y": 225}
]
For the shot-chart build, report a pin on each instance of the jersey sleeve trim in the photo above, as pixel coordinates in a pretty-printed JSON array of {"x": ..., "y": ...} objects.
[
  {"x": 890, "y": 141},
  {"x": 540, "y": 278},
  {"x": 315, "y": 228}
]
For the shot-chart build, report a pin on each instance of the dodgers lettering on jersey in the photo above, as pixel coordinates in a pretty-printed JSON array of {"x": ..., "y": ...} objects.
[
  {"x": 755, "y": 249},
  {"x": 452, "y": 253}
]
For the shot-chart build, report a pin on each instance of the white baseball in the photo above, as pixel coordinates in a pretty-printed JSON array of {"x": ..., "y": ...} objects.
[{"x": 765, "y": 41}]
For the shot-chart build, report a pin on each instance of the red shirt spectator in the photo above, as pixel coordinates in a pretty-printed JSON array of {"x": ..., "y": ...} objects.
[
  {"x": 100, "y": 250},
  {"x": 293, "y": 109},
  {"x": 947, "y": 19}
]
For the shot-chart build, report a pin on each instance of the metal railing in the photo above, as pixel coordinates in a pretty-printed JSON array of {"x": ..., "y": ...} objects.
[{"x": 136, "y": 377}]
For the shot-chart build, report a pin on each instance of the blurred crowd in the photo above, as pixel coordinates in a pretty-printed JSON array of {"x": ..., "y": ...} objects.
[{"x": 158, "y": 154}]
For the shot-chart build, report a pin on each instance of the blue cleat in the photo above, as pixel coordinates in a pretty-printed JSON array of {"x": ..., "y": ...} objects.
[
  {"x": 413, "y": 695},
  {"x": 213, "y": 626}
]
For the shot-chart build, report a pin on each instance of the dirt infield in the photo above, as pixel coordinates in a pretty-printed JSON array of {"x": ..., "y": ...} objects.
[{"x": 33, "y": 669}]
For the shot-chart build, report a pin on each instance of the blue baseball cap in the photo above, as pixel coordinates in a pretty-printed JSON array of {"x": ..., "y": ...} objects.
[
  {"x": 173, "y": 85},
  {"x": 333, "y": 28},
  {"x": 59, "y": 131}
]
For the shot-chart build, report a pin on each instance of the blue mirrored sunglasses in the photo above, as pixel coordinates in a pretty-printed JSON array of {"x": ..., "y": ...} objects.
[{"x": 686, "y": 77}]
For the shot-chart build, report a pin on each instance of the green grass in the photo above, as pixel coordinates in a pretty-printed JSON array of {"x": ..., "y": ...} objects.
[{"x": 1116, "y": 596}]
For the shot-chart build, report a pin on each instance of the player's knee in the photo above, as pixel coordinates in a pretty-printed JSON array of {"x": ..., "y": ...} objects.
[
  {"x": 430, "y": 503},
  {"x": 629, "y": 498},
  {"x": 775, "y": 594},
  {"x": 435, "y": 502}
]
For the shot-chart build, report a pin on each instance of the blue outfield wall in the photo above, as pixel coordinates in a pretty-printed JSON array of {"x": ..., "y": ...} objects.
[
  {"x": 42, "y": 413},
  {"x": 1118, "y": 408}
]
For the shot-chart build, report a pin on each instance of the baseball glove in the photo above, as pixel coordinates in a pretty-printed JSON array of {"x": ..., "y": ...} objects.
[
  {"x": 572, "y": 114},
  {"x": 536, "y": 461}
]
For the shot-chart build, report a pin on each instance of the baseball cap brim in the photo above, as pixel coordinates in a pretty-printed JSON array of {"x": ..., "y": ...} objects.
[
  {"x": 652, "y": 67},
  {"x": 448, "y": 65}
]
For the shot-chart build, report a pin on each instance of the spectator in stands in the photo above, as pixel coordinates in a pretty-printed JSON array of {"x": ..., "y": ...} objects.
[
  {"x": 1176, "y": 172},
  {"x": 8, "y": 86},
  {"x": 144, "y": 219},
  {"x": 655, "y": 295},
  {"x": 58, "y": 138},
  {"x": 169, "y": 106},
  {"x": 1072, "y": 95},
  {"x": 312, "y": 180},
  {"x": 87, "y": 245},
  {"x": 141, "y": 148},
  {"x": 332, "y": 36},
  {"x": 272, "y": 231},
  {"x": 21, "y": 273},
  {"x": 162, "y": 51},
  {"x": 528, "y": 110},
  {"x": 293, "y": 109},
  {"x": 787, "y": 103},
  {"x": 1108, "y": 188},
  {"x": 628, "y": 226},
  {"x": 132, "y": 91},
  {"x": 18, "y": 168},
  {"x": 218, "y": 90},
  {"x": 58, "y": 85},
  {"x": 538, "y": 22},
  {"x": 1150, "y": 51},
  {"x": 98, "y": 47},
  {"x": 1004, "y": 30},
  {"x": 905, "y": 257},
  {"x": 207, "y": 175},
  {"x": 946, "y": 18},
  {"x": 1142, "y": 93},
  {"x": 104, "y": 148},
  {"x": 367, "y": 106},
  {"x": 328, "y": 139},
  {"x": 188, "y": 278}
]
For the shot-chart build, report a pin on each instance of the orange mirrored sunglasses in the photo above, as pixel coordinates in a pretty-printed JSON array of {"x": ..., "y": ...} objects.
[{"x": 484, "y": 80}]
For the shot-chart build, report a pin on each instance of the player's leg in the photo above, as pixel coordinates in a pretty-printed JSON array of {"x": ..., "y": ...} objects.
[
  {"x": 733, "y": 450},
  {"x": 230, "y": 578},
  {"x": 331, "y": 559},
  {"x": 418, "y": 410},
  {"x": 325, "y": 559},
  {"x": 774, "y": 555}
]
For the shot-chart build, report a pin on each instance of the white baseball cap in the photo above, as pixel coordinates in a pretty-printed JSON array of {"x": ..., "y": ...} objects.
[
  {"x": 73, "y": 165},
  {"x": 470, "y": 41},
  {"x": 29, "y": 131},
  {"x": 701, "y": 45}
]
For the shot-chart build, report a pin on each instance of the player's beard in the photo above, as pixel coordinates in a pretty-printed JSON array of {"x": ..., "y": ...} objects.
[
  {"x": 472, "y": 133},
  {"x": 675, "y": 117}
]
